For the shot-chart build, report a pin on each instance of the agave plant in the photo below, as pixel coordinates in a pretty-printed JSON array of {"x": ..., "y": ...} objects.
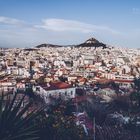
[{"x": 15, "y": 123}]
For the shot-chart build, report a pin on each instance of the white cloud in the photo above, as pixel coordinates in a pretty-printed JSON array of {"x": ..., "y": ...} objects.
[
  {"x": 59, "y": 25},
  {"x": 15, "y": 22},
  {"x": 73, "y": 25},
  {"x": 11, "y": 21}
]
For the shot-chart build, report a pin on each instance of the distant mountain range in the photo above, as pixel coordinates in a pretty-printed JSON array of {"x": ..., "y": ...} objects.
[{"x": 92, "y": 42}]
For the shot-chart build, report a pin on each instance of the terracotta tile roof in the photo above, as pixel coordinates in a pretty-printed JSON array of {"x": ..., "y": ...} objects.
[
  {"x": 125, "y": 81},
  {"x": 58, "y": 85}
]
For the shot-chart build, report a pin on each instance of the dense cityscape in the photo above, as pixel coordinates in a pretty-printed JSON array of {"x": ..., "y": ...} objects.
[{"x": 94, "y": 83}]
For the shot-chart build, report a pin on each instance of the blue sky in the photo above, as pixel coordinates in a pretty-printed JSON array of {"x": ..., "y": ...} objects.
[{"x": 25, "y": 23}]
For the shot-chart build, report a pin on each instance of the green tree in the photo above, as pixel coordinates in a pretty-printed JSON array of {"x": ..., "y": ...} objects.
[
  {"x": 60, "y": 124},
  {"x": 15, "y": 122},
  {"x": 136, "y": 94}
]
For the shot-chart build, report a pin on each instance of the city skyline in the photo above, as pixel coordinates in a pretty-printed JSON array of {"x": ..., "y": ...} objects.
[{"x": 30, "y": 23}]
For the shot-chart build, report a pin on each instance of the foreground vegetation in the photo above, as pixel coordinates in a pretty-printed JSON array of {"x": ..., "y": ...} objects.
[
  {"x": 36, "y": 121},
  {"x": 54, "y": 122}
]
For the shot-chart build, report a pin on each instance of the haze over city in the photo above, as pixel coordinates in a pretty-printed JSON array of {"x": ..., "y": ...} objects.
[{"x": 29, "y": 23}]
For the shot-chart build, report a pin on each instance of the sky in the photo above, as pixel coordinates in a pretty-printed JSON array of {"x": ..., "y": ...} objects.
[{"x": 27, "y": 23}]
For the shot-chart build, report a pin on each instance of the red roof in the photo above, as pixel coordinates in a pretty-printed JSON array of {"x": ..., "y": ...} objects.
[
  {"x": 58, "y": 85},
  {"x": 123, "y": 80}
]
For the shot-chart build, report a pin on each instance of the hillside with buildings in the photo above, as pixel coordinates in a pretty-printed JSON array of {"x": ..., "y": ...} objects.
[{"x": 92, "y": 42}]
